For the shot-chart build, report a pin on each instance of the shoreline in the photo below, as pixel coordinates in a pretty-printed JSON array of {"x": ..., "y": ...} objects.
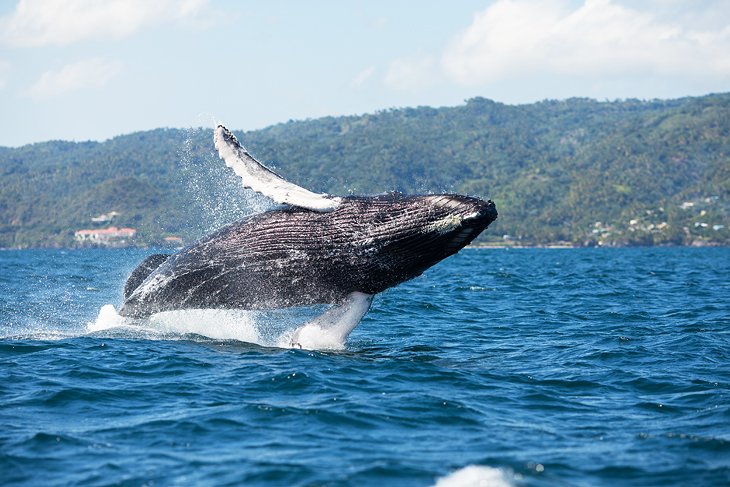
[
  {"x": 562, "y": 245},
  {"x": 694, "y": 245}
]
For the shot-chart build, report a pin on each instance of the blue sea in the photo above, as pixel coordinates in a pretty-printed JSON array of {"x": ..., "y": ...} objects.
[{"x": 522, "y": 367}]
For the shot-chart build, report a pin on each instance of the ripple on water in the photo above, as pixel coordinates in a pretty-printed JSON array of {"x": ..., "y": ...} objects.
[{"x": 530, "y": 367}]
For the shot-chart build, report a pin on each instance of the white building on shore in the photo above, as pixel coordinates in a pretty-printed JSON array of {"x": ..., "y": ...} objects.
[{"x": 108, "y": 237}]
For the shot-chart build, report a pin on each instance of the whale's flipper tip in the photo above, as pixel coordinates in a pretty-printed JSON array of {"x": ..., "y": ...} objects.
[
  {"x": 263, "y": 180},
  {"x": 331, "y": 329},
  {"x": 222, "y": 133}
]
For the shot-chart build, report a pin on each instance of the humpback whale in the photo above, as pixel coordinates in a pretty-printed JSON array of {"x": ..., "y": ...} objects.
[{"x": 314, "y": 249}]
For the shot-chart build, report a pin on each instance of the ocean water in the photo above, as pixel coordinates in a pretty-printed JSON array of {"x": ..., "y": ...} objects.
[{"x": 531, "y": 367}]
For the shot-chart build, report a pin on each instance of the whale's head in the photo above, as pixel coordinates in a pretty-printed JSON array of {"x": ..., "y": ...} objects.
[
  {"x": 453, "y": 221},
  {"x": 405, "y": 235}
]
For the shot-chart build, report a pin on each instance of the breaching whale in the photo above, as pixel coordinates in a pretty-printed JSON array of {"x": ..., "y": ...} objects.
[{"x": 316, "y": 249}]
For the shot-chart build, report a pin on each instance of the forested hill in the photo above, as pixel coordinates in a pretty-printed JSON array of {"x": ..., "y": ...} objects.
[{"x": 579, "y": 171}]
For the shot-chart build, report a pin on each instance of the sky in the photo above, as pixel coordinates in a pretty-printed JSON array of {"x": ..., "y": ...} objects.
[{"x": 93, "y": 69}]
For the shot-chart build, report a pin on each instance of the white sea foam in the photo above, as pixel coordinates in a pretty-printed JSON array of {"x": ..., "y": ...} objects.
[
  {"x": 211, "y": 323},
  {"x": 274, "y": 328},
  {"x": 477, "y": 476},
  {"x": 215, "y": 324},
  {"x": 106, "y": 319}
]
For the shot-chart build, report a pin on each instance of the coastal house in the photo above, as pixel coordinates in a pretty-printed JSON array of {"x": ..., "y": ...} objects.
[
  {"x": 107, "y": 237},
  {"x": 174, "y": 241},
  {"x": 105, "y": 217}
]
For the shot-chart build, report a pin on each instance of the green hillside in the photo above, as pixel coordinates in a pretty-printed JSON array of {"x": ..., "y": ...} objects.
[{"x": 579, "y": 171}]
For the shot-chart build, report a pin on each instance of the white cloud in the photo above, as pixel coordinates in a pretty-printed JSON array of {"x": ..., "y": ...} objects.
[
  {"x": 54, "y": 22},
  {"x": 379, "y": 23},
  {"x": 4, "y": 72},
  {"x": 90, "y": 73},
  {"x": 517, "y": 38},
  {"x": 410, "y": 74},
  {"x": 362, "y": 77}
]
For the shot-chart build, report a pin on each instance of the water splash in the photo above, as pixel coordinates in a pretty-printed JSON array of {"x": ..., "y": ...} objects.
[
  {"x": 269, "y": 328},
  {"x": 476, "y": 476},
  {"x": 218, "y": 198},
  {"x": 213, "y": 189}
]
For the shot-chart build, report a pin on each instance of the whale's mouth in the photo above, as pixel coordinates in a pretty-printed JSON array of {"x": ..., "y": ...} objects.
[{"x": 462, "y": 238}]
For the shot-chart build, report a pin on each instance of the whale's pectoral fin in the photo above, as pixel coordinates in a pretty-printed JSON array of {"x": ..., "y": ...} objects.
[
  {"x": 263, "y": 180},
  {"x": 331, "y": 328}
]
